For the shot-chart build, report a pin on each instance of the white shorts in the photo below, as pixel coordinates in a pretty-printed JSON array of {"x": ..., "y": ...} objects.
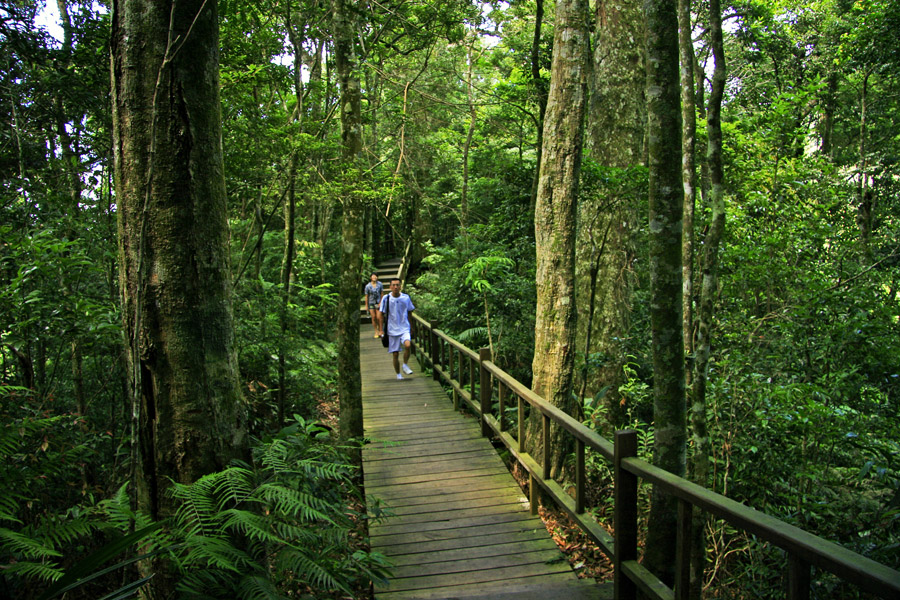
[{"x": 395, "y": 342}]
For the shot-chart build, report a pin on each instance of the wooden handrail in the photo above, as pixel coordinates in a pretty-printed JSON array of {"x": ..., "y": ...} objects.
[{"x": 803, "y": 549}]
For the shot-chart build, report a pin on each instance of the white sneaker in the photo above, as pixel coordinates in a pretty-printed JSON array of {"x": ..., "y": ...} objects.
[
  {"x": 406, "y": 369},
  {"x": 399, "y": 376}
]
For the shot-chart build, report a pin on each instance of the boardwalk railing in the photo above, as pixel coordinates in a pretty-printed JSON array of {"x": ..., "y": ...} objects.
[{"x": 473, "y": 377}]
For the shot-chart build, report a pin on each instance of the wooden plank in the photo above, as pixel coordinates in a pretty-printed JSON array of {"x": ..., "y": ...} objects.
[
  {"x": 395, "y": 542},
  {"x": 533, "y": 588},
  {"x": 505, "y": 574},
  {"x": 511, "y": 558},
  {"x": 401, "y": 551},
  {"x": 501, "y": 491},
  {"x": 435, "y": 489},
  {"x": 376, "y": 457},
  {"x": 486, "y": 498},
  {"x": 434, "y": 478},
  {"x": 427, "y": 465},
  {"x": 454, "y": 515},
  {"x": 473, "y": 553},
  {"x": 439, "y": 448},
  {"x": 520, "y": 516}
]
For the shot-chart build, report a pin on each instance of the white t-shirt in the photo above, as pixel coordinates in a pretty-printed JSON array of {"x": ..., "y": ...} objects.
[{"x": 398, "y": 313}]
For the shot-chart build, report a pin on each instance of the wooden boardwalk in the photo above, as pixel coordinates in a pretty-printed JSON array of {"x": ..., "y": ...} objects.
[{"x": 461, "y": 527}]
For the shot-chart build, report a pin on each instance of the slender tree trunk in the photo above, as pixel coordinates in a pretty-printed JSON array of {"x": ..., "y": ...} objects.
[
  {"x": 605, "y": 245},
  {"x": 174, "y": 274},
  {"x": 689, "y": 178},
  {"x": 540, "y": 90},
  {"x": 349, "y": 381},
  {"x": 287, "y": 272},
  {"x": 470, "y": 97},
  {"x": 554, "y": 223},
  {"x": 865, "y": 197},
  {"x": 666, "y": 206}
]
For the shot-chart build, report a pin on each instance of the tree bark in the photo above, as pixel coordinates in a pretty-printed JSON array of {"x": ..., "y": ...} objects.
[
  {"x": 605, "y": 245},
  {"x": 349, "y": 381},
  {"x": 689, "y": 179},
  {"x": 174, "y": 271},
  {"x": 666, "y": 205},
  {"x": 540, "y": 92},
  {"x": 554, "y": 222}
]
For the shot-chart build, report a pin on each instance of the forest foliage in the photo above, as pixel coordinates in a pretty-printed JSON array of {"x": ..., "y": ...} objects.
[{"x": 804, "y": 379}]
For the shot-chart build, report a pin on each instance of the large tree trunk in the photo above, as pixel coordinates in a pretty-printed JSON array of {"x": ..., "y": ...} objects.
[
  {"x": 173, "y": 248},
  {"x": 605, "y": 246},
  {"x": 666, "y": 204},
  {"x": 554, "y": 222},
  {"x": 349, "y": 381}
]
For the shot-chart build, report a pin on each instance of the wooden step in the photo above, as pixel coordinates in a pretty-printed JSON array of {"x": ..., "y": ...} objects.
[{"x": 581, "y": 589}]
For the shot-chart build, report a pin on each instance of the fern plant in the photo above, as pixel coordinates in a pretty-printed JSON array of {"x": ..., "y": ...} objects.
[{"x": 257, "y": 531}]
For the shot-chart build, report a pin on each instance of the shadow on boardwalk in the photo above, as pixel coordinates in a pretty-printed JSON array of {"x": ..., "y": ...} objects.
[{"x": 461, "y": 527}]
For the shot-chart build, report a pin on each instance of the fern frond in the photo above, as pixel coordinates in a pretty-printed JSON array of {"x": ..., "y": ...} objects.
[
  {"x": 207, "y": 585},
  {"x": 256, "y": 587},
  {"x": 305, "y": 507},
  {"x": 307, "y": 569},
  {"x": 236, "y": 485},
  {"x": 13, "y": 541},
  {"x": 36, "y": 570},
  {"x": 252, "y": 525},
  {"x": 60, "y": 532},
  {"x": 215, "y": 552},
  {"x": 474, "y": 332}
]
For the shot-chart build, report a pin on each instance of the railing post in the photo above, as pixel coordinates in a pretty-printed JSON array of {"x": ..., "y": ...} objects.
[
  {"x": 472, "y": 379},
  {"x": 545, "y": 431},
  {"x": 579, "y": 477},
  {"x": 484, "y": 389},
  {"x": 501, "y": 399},
  {"x": 454, "y": 374},
  {"x": 435, "y": 352},
  {"x": 625, "y": 515},
  {"x": 683, "y": 550},
  {"x": 520, "y": 437},
  {"x": 798, "y": 578}
]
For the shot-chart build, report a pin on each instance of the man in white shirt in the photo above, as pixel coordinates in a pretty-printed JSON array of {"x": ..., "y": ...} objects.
[{"x": 397, "y": 306}]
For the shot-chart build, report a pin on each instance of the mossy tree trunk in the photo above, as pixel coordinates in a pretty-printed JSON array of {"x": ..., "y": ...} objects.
[
  {"x": 605, "y": 246},
  {"x": 554, "y": 222},
  {"x": 666, "y": 204},
  {"x": 174, "y": 271},
  {"x": 350, "y": 291},
  {"x": 700, "y": 463}
]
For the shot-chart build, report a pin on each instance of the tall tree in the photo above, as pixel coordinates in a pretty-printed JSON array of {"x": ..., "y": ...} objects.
[
  {"x": 173, "y": 262},
  {"x": 700, "y": 462},
  {"x": 554, "y": 221},
  {"x": 689, "y": 180},
  {"x": 666, "y": 204},
  {"x": 349, "y": 382},
  {"x": 605, "y": 245}
]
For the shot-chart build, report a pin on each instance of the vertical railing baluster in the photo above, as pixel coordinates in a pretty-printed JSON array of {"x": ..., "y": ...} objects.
[
  {"x": 501, "y": 400},
  {"x": 683, "y": 551},
  {"x": 625, "y": 514},
  {"x": 545, "y": 431},
  {"x": 484, "y": 388},
  {"x": 579, "y": 476},
  {"x": 472, "y": 395},
  {"x": 798, "y": 578},
  {"x": 435, "y": 358},
  {"x": 520, "y": 436},
  {"x": 452, "y": 353}
]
